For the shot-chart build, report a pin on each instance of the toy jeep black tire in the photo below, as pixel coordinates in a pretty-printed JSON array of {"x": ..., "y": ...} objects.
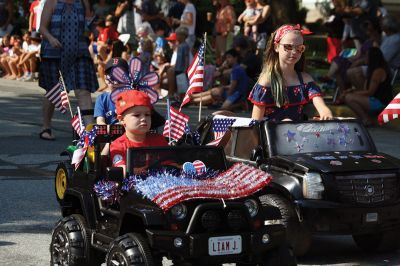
[
  {"x": 63, "y": 175},
  {"x": 129, "y": 249},
  {"x": 382, "y": 241},
  {"x": 70, "y": 244},
  {"x": 297, "y": 237}
]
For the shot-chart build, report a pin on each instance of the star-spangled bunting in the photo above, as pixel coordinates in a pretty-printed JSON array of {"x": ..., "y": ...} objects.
[
  {"x": 58, "y": 96},
  {"x": 391, "y": 111},
  {"x": 175, "y": 128},
  {"x": 195, "y": 74},
  {"x": 221, "y": 124},
  {"x": 239, "y": 181},
  {"x": 86, "y": 140}
]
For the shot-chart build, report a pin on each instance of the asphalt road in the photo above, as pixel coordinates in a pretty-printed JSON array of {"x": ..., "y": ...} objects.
[{"x": 28, "y": 208}]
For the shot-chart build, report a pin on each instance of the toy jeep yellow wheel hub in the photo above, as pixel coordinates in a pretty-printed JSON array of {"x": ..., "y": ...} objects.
[{"x": 61, "y": 183}]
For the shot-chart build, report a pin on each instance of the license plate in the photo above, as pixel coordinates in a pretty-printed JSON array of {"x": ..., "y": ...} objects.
[
  {"x": 371, "y": 217},
  {"x": 224, "y": 245}
]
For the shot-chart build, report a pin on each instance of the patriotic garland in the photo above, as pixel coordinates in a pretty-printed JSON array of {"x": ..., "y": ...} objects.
[{"x": 167, "y": 188}]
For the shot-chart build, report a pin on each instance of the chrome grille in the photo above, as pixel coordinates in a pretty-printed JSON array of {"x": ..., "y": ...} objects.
[{"x": 368, "y": 188}]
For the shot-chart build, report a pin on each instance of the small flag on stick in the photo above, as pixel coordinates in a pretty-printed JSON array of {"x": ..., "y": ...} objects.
[
  {"x": 195, "y": 74},
  {"x": 77, "y": 124},
  {"x": 58, "y": 96},
  {"x": 175, "y": 126}
]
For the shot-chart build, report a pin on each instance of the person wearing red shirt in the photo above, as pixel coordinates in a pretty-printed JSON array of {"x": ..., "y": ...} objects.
[
  {"x": 134, "y": 111},
  {"x": 33, "y": 15}
]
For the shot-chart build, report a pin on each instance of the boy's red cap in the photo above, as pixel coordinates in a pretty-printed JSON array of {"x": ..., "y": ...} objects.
[
  {"x": 131, "y": 98},
  {"x": 171, "y": 37}
]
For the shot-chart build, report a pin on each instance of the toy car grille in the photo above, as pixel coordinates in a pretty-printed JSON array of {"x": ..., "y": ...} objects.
[
  {"x": 231, "y": 220},
  {"x": 369, "y": 188}
]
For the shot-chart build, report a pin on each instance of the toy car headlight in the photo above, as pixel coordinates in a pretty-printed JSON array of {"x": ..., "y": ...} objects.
[
  {"x": 312, "y": 186},
  {"x": 252, "y": 207},
  {"x": 179, "y": 211}
]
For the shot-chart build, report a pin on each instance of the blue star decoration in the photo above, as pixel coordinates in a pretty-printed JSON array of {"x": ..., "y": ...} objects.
[
  {"x": 331, "y": 141},
  {"x": 342, "y": 141},
  {"x": 290, "y": 136},
  {"x": 342, "y": 128}
]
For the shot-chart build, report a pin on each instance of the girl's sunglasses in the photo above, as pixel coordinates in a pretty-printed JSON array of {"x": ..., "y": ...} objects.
[{"x": 289, "y": 47}]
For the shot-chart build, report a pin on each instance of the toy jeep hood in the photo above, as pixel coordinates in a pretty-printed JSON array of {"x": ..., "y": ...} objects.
[{"x": 343, "y": 161}]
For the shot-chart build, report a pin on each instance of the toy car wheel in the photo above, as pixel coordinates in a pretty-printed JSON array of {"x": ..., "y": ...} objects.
[
  {"x": 128, "y": 250},
  {"x": 70, "y": 244},
  {"x": 382, "y": 241},
  {"x": 63, "y": 175},
  {"x": 298, "y": 237}
]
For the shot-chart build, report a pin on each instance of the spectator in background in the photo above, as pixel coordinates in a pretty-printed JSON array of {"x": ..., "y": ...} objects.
[
  {"x": 101, "y": 9},
  {"x": 126, "y": 19},
  {"x": 4, "y": 49},
  {"x": 224, "y": 22},
  {"x": 377, "y": 92},
  {"x": 151, "y": 14},
  {"x": 164, "y": 66},
  {"x": 63, "y": 26},
  {"x": 160, "y": 43},
  {"x": 359, "y": 11},
  {"x": 107, "y": 35},
  {"x": 30, "y": 58},
  {"x": 264, "y": 25},
  {"x": 335, "y": 26},
  {"x": 11, "y": 57},
  {"x": 250, "y": 13},
  {"x": 234, "y": 92},
  {"x": 33, "y": 15},
  {"x": 337, "y": 73},
  {"x": 188, "y": 20},
  {"x": 175, "y": 12},
  {"x": 250, "y": 62},
  {"x": 181, "y": 64},
  {"x": 390, "y": 47}
]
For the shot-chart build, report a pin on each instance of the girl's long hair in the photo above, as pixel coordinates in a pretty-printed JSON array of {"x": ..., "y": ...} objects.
[
  {"x": 375, "y": 61},
  {"x": 272, "y": 70}
]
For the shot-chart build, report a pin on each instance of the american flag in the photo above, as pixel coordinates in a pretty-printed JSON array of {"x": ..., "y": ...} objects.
[
  {"x": 239, "y": 181},
  {"x": 176, "y": 127},
  {"x": 58, "y": 96},
  {"x": 77, "y": 124},
  {"x": 391, "y": 111},
  {"x": 222, "y": 123},
  {"x": 195, "y": 74},
  {"x": 219, "y": 128}
]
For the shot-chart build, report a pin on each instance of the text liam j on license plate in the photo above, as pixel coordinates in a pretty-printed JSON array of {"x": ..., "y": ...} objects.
[{"x": 224, "y": 245}]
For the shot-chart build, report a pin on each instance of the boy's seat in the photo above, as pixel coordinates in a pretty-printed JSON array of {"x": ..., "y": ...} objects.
[{"x": 105, "y": 135}]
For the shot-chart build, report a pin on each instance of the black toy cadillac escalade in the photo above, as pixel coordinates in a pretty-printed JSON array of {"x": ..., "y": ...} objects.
[{"x": 328, "y": 177}]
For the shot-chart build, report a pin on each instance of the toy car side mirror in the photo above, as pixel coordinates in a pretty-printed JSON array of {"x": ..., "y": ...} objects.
[{"x": 115, "y": 174}]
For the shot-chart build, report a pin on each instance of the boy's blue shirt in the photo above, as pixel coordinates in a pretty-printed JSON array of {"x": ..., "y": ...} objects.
[
  {"x": 239, "y": 74},
  {"x": 104, "y": 107}
]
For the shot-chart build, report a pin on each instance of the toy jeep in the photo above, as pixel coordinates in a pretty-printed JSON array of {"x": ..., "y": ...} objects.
[
  {"x": 136, "y": 231},
  {"x": 328, "y": 177}
]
